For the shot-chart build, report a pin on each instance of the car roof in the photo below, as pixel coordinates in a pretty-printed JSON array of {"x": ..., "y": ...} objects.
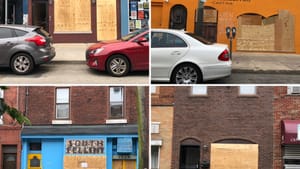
[{"x": 23, "y": 27}]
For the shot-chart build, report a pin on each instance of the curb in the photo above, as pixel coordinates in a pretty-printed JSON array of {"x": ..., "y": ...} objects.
[{"x": 293, "y": 72}]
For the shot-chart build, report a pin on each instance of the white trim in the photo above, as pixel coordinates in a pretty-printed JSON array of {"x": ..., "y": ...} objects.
[
  {"x": 1, "y": 93},
  {"x": 156, "y": 142},
  {"x": 116, "y": 121},
  {"x": 61, "y": 121}
]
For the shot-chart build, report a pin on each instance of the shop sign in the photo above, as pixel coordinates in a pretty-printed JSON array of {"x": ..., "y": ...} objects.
[
  {"x": 78, "y": 147},
  {"x": 229, "y": 2},
  {"x": 124, "y": 157},
  {"x": 124, "y": 145}
]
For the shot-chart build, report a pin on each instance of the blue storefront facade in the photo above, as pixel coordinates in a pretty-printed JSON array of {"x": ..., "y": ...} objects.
[
  {"x": 13, "y": 11},
  {"x": 70, "y": 147}
]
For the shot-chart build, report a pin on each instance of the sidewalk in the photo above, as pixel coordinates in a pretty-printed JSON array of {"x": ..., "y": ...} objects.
[
  {"x": 243, "y": 62},
  {"x": 248, "y": 62},
  {"x": 70, "y": 51}
]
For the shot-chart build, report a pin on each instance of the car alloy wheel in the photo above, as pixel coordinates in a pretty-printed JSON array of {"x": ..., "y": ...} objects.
[
  {"x": 22, "y": 63},
  {"x": 186, "y": 74},
  {"x": 118, "y": 65}
]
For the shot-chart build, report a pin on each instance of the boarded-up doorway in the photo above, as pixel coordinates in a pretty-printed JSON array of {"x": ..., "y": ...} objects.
[
  {"x": 234, "y": 156},
  {"x": 210, "y": 24}
]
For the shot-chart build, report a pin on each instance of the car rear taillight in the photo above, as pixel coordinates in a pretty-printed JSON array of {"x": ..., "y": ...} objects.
[
  {"x": 224, "y": 56},
  {"x": 38, "y": 40}
]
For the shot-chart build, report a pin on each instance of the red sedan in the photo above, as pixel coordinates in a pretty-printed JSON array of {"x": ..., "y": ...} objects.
[{"x": 118, "y": 57}]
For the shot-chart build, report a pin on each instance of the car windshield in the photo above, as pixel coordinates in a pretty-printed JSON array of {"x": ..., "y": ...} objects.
[
  {"x": 132, "y": 34},
  {"x": 199, "y": 38}
]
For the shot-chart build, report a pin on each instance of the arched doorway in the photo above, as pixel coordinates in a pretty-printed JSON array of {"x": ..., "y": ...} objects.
[
  {"x": 189, "y": 154},
  {"x": 210, "y": 24},
  {"x": 178, "y": 17}
]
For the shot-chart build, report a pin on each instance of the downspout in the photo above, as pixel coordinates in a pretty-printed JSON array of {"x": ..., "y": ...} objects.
[
  {"x": 26, "y": 101},
  {"x": 6, "y": 7}
]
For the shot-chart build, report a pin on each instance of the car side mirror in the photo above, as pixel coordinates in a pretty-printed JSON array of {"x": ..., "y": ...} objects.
[{"x": 141, "y": 39}]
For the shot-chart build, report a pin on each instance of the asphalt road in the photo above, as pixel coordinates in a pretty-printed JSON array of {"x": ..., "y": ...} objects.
[
  {"x": 76, "y": 72},
  {"x": 255, "y": 78}
]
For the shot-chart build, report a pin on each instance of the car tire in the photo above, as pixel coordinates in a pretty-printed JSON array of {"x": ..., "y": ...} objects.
[
  {"x": 117, "y": 65},
  {"x": 21, "y": 64},
  {"x": 186, "y": 74}
]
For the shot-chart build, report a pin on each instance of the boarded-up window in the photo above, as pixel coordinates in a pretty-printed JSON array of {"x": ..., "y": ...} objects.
[
  {"x": 234, "y": 156},
  {"x": 72, "y": 16},
  {"x": 210, "y": 15},
  {"x": 106, "y": 19}
]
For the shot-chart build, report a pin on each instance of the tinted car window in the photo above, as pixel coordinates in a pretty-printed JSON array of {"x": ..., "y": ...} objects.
[
  {"x": 160, "y": 39},
  {"x": 5, "y": 33},
  {"x": 132, "y": 34},
  {"x": 20, "y": 32},
  {"x": 199, "y": 38}
]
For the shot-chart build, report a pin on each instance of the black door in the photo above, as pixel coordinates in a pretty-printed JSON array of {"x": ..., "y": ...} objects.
[
  {"x": 40, "y": 13},
  {"x": 9, "y": 158},
  {"x": 178, "y": 16},
  {"x": 189, "y": 157}
]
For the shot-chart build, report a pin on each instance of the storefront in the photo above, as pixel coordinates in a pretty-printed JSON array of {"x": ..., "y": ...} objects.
[
  {"x": 270, "y": 28},
  {"x": 290, "y": 132},
  {"x": 90, "y": 20},
  {"x": 70, "y": 147},
  {"x": 13, "y": 11}
]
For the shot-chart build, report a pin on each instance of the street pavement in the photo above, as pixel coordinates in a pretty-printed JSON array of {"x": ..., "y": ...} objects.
[{"x": 243, "y": 62}]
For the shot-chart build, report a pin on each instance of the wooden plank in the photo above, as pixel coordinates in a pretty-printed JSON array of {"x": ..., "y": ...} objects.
[
  {"x": 93, "y": 162},
  {"x": 210, "y": 15},
  {"x": 234, "y": 156},
  {"x": 106, "y": 19},
  {"x": 72, "y": 16}
]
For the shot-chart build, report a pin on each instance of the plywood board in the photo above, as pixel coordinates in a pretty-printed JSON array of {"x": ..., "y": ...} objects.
[
  {"x": 250, "y": 20},
  {"x": 234, "y": 156},
  {"x": 106, "y": 19},
  {"x": 256, "y": 37},
  {"x": 210, "y": 15},
  {"x": 93, "y": 162},
  {"x": 72, "y": 16},
  {"x": 285, "y": 31}
]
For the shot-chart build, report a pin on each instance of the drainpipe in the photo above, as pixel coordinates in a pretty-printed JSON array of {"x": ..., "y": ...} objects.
[
  {"x": 6, "y": 11},
  {"x": 26, "y": 101},
  {"x": 199, "y": 18}
]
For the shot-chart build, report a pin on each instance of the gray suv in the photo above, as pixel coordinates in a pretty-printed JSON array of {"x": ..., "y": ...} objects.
[{"x": 23, "y": 47}]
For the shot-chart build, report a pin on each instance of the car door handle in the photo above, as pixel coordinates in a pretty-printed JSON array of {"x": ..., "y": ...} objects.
[
  {"x": 176, "y": 53},
  {"x": 8, "y": 43}
]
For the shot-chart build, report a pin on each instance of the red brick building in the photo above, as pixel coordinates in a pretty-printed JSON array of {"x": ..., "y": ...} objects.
[
  {"x": 211, "y": 122},
  {"x": 286, "y": 107},
  {"x": 10, "y": 141}
]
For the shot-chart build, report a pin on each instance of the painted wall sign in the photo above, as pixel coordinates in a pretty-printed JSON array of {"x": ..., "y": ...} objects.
[
  {"x": 230, "y": 2},
  {"x": 124, "y": 145},
  {"x": 84, "y": 147}
]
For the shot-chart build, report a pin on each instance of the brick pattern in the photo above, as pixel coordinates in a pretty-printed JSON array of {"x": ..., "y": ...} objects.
[
  {"x": 88, "y": 104},
  {"x": 162, "y": 111},
  {"x": 224, "y": 114},
  {"x": 286, "y": 107}
]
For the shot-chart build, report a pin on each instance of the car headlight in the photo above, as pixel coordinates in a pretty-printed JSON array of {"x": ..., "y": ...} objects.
[{"x": 96, "y": 51}]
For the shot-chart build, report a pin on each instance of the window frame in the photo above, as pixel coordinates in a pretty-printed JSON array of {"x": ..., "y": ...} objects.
[
  {"x": 290, "y": 90},
  {"x": 198, "y": 94},
  {"x": 247, "y": 94},
  {"x": 122, "y": 101},
  {"x": 64, "y": 103}
]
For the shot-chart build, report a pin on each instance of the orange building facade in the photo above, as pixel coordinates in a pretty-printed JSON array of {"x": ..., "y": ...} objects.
[{"x": 263, "y": 26}]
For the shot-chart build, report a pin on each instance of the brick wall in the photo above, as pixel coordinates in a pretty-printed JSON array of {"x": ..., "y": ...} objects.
[
  {"x": 164, "y": 95},
  {"x": 286, "y": 107},
  {"x": 88, "y": 104},
  {"x": 224, "y": 114}
]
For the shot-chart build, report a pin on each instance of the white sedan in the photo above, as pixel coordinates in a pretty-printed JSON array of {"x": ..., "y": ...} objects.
[{"x": 183, "y": 58}]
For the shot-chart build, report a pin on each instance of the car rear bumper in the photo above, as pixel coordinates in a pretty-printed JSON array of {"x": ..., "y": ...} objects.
[
  {"x": 217, "y": 71},
  {"x": 44, "y": 55}
]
